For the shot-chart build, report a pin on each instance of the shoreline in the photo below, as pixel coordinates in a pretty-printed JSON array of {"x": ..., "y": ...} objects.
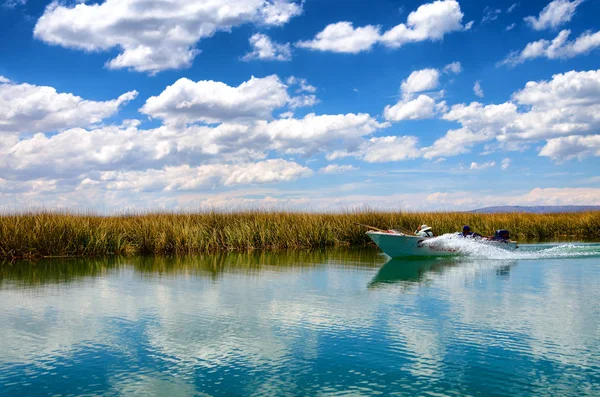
[{"x": 67, "y": 235}]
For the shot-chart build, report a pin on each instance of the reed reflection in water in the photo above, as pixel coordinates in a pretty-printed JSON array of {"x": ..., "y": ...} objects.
[{"x": 330, "y": 322}]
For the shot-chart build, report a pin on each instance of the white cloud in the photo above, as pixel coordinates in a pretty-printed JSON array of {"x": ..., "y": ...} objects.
[
  {"x": 571, "y": 147},
  {"x": 481, "y": 166},
  {"x": 505, "y": 163},
  {"x": 383, "y": 149},
  {"x": 192, "y": 178},
  {"x": 390, "y": 148},
  {"x": 556, "y": 13},
  {"x": 510, "y": 27},
  {"x": 78, "y": 152},
  {"x": 265, "y": 49},
  {"x": 454, "y": 67},
  {"x": 343, "y": 37},
  {"x": 559, "y": 48},
  {"x": 430, "y": 21},
  {"x": 27, "y": 108},
  {"x": 4, "y": 80},
  {"x": 569, "y": 104},
  {"x": 211, "y": 101},
  {"x": 512, "y": 8},
  {"x": 421, "y": 80},
  {"x": 412, "y": 107},
  {"x": 303, "y": 101},
  {"x": 455, "y": 142},
  {"x": 337, "y": 169},
  {"x": 477, "y": 90},
  {"x": 155, "y": 37},
  {"x": 317, "y": 133},
  {"x": 302, "y": 83},
  {"x": 423, "y": 107}
]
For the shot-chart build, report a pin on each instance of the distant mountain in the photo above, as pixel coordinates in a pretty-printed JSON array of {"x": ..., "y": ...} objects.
[{"x": 537, "y": 209}]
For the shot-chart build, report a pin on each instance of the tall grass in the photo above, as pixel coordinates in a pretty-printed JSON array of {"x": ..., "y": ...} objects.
[{"x": 45, "y": 234}]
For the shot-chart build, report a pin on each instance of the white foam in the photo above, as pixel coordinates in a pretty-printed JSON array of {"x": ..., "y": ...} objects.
[{"x": 477, "y": 249}]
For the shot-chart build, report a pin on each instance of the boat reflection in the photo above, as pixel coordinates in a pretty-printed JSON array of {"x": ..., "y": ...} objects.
[{"x": 410, "y": 272}]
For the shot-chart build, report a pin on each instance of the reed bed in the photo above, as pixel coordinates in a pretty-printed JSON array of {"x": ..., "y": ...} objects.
[{"x": 48, "y": 234}]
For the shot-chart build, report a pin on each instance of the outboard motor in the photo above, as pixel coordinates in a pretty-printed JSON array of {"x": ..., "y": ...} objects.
[{"x": 502, "y": 235}]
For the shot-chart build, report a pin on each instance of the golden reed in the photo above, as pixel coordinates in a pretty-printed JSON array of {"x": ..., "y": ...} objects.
[{"x": 46, "y": 234}]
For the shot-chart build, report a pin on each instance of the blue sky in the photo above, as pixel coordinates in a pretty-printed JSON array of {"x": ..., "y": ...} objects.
[{"x": 314, "y": 105}]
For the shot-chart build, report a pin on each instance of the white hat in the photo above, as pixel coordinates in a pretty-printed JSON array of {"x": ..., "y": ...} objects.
[{"x": 424, "y": 228}]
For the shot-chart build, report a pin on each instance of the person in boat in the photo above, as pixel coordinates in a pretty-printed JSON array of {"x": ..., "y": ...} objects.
[
  {"x": 467, "y": 233},
  {"x": 501, "y": 235},
  {"x": 424, "y": 231}
]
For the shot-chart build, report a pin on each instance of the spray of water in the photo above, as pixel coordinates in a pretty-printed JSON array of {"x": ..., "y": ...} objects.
[{"x": 477, "y": 249}]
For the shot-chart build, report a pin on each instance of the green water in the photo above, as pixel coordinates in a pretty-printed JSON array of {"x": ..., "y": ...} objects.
[{"x": 331, "y": 323}]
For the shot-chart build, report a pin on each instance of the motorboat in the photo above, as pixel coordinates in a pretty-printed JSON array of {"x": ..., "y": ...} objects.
[{"x": 398, "y": 245}]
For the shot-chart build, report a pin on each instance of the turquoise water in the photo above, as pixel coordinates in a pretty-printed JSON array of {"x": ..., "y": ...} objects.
[{"x": 333, "y": 323}]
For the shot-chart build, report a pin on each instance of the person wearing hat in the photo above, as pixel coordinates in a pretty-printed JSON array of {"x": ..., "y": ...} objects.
[
  {"x": 467, "y": 233},
  {"x": 424, "y": 231}
]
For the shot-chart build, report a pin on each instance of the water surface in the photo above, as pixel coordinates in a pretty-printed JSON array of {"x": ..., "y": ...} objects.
[{"x": 331, "y": 323}]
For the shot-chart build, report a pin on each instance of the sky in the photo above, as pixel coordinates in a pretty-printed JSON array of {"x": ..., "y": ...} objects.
[{"x": 315, "y": 105}]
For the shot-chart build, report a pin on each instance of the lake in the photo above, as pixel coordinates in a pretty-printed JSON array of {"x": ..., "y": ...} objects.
[{"x": 329, "y": 323}]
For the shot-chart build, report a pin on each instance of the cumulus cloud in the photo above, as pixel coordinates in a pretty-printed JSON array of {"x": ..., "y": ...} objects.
[
  {"x": 317, "y": 133},
  {"x": 455, "y": 142},
  {"x": 421, "y": 80},
  {"x": 76, "y": 152},
  {"x": 153, "y": 37},
  {"x": 411, "y": 107},
  {"x": 477, "y": 90},
  {"x": 505, "y": 163},
  {"x": 567, "y": 105},
  {"x": 454, "y": 67},
  {"x": 383, "y": 149},
  {"x": 265, "y": 49},
  {"x": 210, "y": 101},
  {"x": 390, "y": 148},
  {"x": 556, "y": 13},
  {"x": 422, "y": 107},
  {"x": 481, "y": 166},
  {"x": 343, "y": 37},
  {"x": 572, "y": 147},
  {"x": 559, "y": 48},
  {"x": 429, "y": 22},
  {"x": 337, "y": 169},
  {"x": 27, "y": 108},
  {"x": 192, "y": 178},
  {"x": 510, "y": 27},
  {"x": 4, "y": 80}
]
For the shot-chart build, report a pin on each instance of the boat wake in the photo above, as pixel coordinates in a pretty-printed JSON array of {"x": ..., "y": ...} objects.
[{"x": 477, "y": 249}]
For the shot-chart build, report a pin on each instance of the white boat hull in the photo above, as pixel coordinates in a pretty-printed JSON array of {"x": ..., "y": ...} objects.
[{"x": 399, "y": 245}]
